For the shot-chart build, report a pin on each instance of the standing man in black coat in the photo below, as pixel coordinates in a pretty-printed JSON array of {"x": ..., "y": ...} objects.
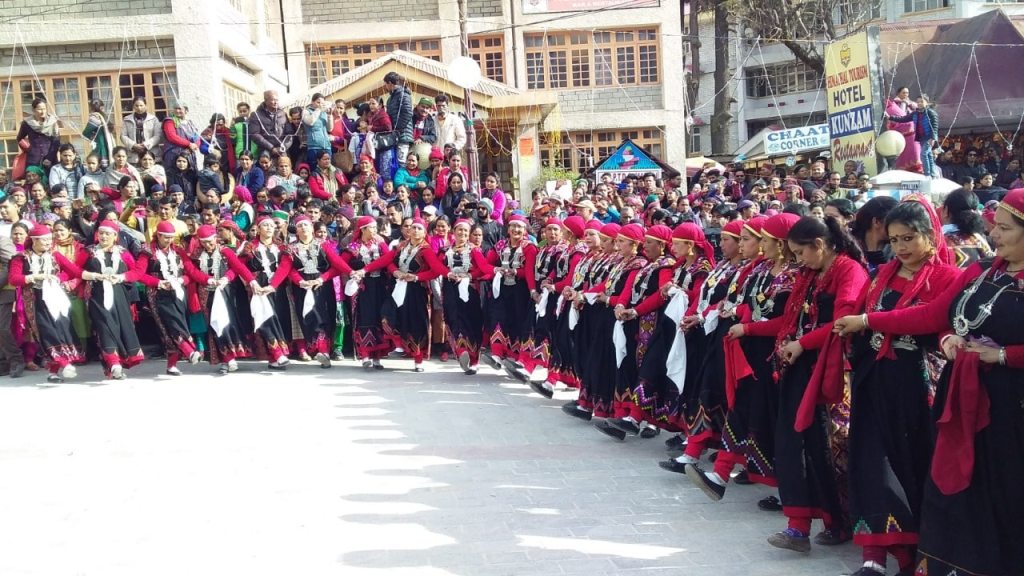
[{"x": 399, "y": 109}]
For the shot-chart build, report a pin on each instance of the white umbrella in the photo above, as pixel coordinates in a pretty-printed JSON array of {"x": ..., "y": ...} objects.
[
  {"x": 896, "y": 176},
  {"x": 943, "y": 186}
]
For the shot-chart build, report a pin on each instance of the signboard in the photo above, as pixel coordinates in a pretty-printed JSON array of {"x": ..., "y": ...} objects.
[
  {"x": 546, "y": 6},
  {"x": 793, "y": 140},
  {"x": 851, "y": 100},
  {"x": 627, "y": 159}
]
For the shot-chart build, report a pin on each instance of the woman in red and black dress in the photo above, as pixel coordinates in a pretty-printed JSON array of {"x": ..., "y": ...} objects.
[
  {"x": 598, "y": 392},
  {"x": 537, "y": 349},
  {"x": 460, "y": 297},
  {"x": 165, "y": 270},
  {"x": 749, "y": 430},
  {"x": 700, "y": 407},
  {"x": 406, "y": 317},
  {"x": 371, "y": 344},
  {"x": 808, "y": 431},
  {"x": 890, "y": 426},
  {"x": 559, "y": 362},
  {"x": 225, "y": 339},
  {"x": 591, "y": 274},
  {"x": 42, "y": 271},
  {"x": 268, "y": 260},
  {"x": 511, "y": 312},
  {"x": 639, "y": 308},
  {"x": 973, "y": 502}
]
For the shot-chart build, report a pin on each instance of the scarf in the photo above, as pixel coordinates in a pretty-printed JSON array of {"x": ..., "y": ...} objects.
[
  {"x": 965, "y": 414},
  {"x": 886, "y": 273},
  {"x": 66, "y": 247},
  {"x": 826, "y": 385},
  {"x": 46, "y": 127},
  {"x": 736, "y": 368}
]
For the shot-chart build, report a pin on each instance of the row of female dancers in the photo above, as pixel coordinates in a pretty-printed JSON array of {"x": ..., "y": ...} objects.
[{"x": 801, "y": 370}]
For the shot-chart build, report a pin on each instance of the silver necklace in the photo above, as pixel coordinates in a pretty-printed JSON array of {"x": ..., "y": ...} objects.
[{"x": 961, "y": 324}]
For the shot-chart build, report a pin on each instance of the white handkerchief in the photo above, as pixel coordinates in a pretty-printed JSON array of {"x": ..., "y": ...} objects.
[
  {"x": 351, "y": 287},
  {"x": 308, "y": 302},
  {"x": 179, "y": 288},
  {"x": 464, "y": 289},
  {"x": 108, "y": 295},
  {"x": 591, "y": 298},
  {"x": 56, "y": 299},
  {"x": 542, "y": 305},
  {"x": 398, "y": 294},
  {"x": 677, "y": 305},
  {"x": 559, "y": 304},
  {"x": 496, "y": 285},
  {"x": 711, "y": 321},
  {"x": 261, "y": 309},
  {"x": 675, "y": 362},
  {"x": 220, "y": 318},
  {"x": 574, "y": 317},
  {"x": 619, "y": 339}
]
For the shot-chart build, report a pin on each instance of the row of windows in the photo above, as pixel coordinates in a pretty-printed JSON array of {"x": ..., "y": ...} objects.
[
  {"x": 581, "y": 151},
  {"x": 781, "y": 79},
  {"x": 573, "y": 59},
  {"x": 69, "y": 95}
]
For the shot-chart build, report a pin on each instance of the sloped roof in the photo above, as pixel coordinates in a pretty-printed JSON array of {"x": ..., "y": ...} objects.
[
  {"x": 640, "y": 160},
  {"x": 945, "y": 70}
]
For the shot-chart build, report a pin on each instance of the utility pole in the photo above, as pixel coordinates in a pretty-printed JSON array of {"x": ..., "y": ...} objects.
[{"x": 472, "y": 158}]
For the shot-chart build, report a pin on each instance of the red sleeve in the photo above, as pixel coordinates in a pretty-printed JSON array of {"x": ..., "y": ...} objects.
[
  {"x": 623, "y": 297},
  {"x": 852, "y": 282},
  {"x": 171, "y": 134},
  {"x": 191, "y": 271},
  {"x": 526, "y": 270},
  {"x": 72, "y": 269},
  {"x": 484, "y": 269},
  {"x": 1015, "y": 356},
  {"x": 338, "y": 266},
  {"x": 316, "y": 188},
  {"x": 16, "y": 271},
  {"x": 293, "y": 273},
  {"x": 441, "y": 183},
  {"x": 284, "y": 270},
  {"x": 81, "y": 257},
  {"x": 930, "y": 318},
  {"x": 443, "y": 270},
  {"x": 574, "y": 261},
  {"x": 141, "y": 270},
  {"x": 655, "y": 301},
  {"x": 597, "y": 288},
  {"x": 235, "y": 265},
  {"x": 766, "y": 328},
  {"x": 383, "y": 262},
  {"x": 434, "y": 266},
  {"x": 131, "y": 274}
]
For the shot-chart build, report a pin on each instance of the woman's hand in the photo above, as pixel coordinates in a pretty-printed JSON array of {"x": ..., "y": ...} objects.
[
  {"x": 792, "y": 351},
  {"x": 987, "y": 354},
  {"x": 849, "y": 325},
  {"x": 727, "y": 313},
  {"x": 953, "y": 344},
  {"x": 737, "y": 331},
  {"x": 689, "y": 322}
]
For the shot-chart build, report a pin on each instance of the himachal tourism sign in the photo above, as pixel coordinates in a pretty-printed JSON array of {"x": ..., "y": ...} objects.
[
  {"x": 794, "y": 140},
  {"x": 852, "y": 100}
]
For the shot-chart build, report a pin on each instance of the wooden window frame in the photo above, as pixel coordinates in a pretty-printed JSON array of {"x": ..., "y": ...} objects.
[
  {"x": 571, "y": 150},
  {"x": 347, "y": 56},
  {"x": 489, "y": 52},
  {"x": 613, "y": 58},
  {"x": 152, "y": 82}
]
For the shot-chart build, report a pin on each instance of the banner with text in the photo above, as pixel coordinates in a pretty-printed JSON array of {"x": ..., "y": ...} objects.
[
  {"x": 795, "y": 140},
  {"x": 849, "y": 72},
  {"x": 547, "y": 6}
]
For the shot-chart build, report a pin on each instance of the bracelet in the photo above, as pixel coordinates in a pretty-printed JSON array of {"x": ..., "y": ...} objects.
[
  {"x": 1002, "y": 356},
  {"x": 864, "y": 319},
  {"x": 942, "y": 341}
]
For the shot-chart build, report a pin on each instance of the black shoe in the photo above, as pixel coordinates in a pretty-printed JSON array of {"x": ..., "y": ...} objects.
[
  {"x": 832, "y": 537},
  {"x": 770, "y": 504},
  {"x": 700, "y": 478},
  {"x": 713, "y": 456},
  {"x": 54, "y": 379},
  {"x": 515, "y": 371},
  {"x": 742, "y": 479},
  {"x": 539, "y": 388},
  {"x": 677, "y": 442},
  {"x": 17, "y": 370},
  {"x": 607, "y": 429},
  {"x": 491, "y": 361},
  {"x": 649, "y": 432},
  {"x": 276, "y": 366},
  {"x": 573, "y": 409},
  {"x": 865, "y": 571},
  {"x": 378, "y": 366},
  {"x": 673, "y": 465},
  {"x": 790, "y": 539},
  {"x": 470, "y": 372},
  {"x": 631, "y": 428}
]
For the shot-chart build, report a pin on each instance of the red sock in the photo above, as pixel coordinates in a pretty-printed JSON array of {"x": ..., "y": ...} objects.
[
  {"x": 186, "y": 348},
  {"x": 725, "y": 462},
  {"x": 874, "y": 554},
  {"x": 694, "y": 448},
  {"x": 801, "y": 524},
  {"x": 903, "y": 554},
  {"x": 172, "y": 360}
]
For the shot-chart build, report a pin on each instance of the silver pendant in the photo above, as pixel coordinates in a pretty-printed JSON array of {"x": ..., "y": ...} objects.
[
  {"x": 960, "y": 325},
  {"x": 876, "y": 340}
]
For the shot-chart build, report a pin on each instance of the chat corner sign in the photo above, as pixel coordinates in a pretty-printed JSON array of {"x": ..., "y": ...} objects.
[
  {"x": 795, "y": 140},
  {"x": 849, "y": 72}
]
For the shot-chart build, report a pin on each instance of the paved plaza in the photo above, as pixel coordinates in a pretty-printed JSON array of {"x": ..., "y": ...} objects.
[{"x": 318, "y": 472}]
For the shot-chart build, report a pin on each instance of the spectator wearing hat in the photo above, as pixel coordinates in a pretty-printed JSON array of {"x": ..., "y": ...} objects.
[
  {"x": 747, "y": 208},
  {"x": 585, "y": 209},
  {"x": 492, "y": 230},
  {"x": 424, "y": 128}
]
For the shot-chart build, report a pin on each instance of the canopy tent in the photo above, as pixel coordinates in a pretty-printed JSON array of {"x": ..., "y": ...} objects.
[
  {"x": 631, "y": 159},
  {"x": 966, "y": 67}
]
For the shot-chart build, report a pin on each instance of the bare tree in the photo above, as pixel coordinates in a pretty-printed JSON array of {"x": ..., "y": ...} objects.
[
  {"x": 723, "y": 95},
  {"x": 804, "y": 26}
]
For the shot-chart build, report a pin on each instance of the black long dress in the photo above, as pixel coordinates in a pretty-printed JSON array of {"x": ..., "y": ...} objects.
[
  {"x": 409, "y": 324},
  {"x": 367, "y": 331},
  {"x": 312, "y": 261},
  {"x": 114, "y": 326},
  {"x": 655, "y": 394},
  {"x": 231, "y": 343},
  {"x": 463, "y": 319},
  {"x": 539, "y": 345},
  {"x": 56, "y": 335},
  {"x": 590, "y": 273},
  {"x": 170, "y": 307},
  {"x": 511, "y": 313},
  {"x": 270, "y": 265},
  {"x": 560, "y": 366}
]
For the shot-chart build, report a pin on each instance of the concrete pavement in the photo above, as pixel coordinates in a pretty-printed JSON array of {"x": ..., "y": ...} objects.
[{"x": 342, "y": 471}]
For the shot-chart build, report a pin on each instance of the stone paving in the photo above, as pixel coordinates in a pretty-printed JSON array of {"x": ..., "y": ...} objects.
[{"x": 343, "y": 471}]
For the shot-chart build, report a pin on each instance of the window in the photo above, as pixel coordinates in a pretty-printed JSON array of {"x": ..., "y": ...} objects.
[
  {"x": 579, "y": 59},
  {"x": 922, "y": 5},
  {"x": 696, "y": 133},
  {"x": 69, "y": 96},
  {"x": 582, "y": 151},
  {"x": 330, "y": 61},
  {"x": 232, "y": 96},
  {"x": 489, "y": 52},
  {"x": 856, "y": 11},
  {"x": 781, "y": 79}
]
